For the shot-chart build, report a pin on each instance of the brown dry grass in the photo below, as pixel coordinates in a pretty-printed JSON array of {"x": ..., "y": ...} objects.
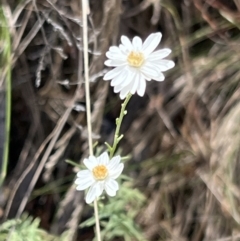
[{"x": 183, "y": 135}]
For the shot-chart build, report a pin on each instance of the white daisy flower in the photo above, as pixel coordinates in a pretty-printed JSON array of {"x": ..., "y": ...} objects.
[
  {"x": 135, "y": 63},
  {"x": 101, "y": 175}
]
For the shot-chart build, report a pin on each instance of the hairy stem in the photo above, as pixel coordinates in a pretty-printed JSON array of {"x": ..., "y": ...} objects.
[{"x": 119, "y": 120}]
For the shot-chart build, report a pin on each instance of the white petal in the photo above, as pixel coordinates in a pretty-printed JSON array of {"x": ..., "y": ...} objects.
[
  {"x": 127, "y": 82},
  {"x": 151, "y": 43},
  {"x": 93, "y": 192},
  {"x": 115, "y": 62},
  {"x": 135, "y": 84},
  {"x": 137, "y": 44},
  {"x": 131, "y": 74},
  {"x": 118, "y": 170},
  {"x": 128, "y": 76},
  {"x": 115, "y": 53},
  {"x": 164, "y": 65},
  {"x": 149, "y": 70},
  {"x": 117, "y": 88},
  {"x": 124, "y": 91},
  {"x": 83, "y": 173},
  {"x": 101, "y": 188},
  {"x": 160, "y": 77},
  {"x": 91, "y": 195},
  {"x": 160, "y": 54},
  {"x": 90, "y": 163},
  {"x": 112, "y": 165},
  {"x": 116, "y": 56},
  {"x": 113, "y": 73},
  {"x": 114, "y": 49},
  {"x": 103, "y": 159},
  {"x": 127, "y": 43},
  {"x": 145, "y": 77},
  {"x": 142, "y": 86},
  {"x": 111, "y": 187},
  {"x": 85, "y": 183},
  {"x": 124, "y": 50},
  {"x": 120, "y": 78}
]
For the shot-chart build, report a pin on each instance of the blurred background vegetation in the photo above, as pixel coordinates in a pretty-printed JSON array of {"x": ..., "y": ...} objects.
[{"x": 181, "y": 139}]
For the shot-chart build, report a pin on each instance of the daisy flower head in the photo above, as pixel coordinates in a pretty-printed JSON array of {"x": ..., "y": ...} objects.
[
  {"x": 100, "y": 175},
  {"x": 135, "y": 62}
]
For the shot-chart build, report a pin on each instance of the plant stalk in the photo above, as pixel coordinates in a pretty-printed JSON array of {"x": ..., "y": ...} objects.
[
  {"x": 85, "y": 11},
  {"x": 119, "y": 120},
  {"x": 5, "y": 69}
]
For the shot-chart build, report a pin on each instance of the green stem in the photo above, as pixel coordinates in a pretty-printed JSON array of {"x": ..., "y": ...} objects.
[
  {"x": 5, "y": 68},
  {"x": 117, "y": 138}
]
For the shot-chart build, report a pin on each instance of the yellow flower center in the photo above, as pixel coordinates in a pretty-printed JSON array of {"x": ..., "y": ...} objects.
[
  {"x": 135, "y": 59},
  {"x": 100, "y": 172}
]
